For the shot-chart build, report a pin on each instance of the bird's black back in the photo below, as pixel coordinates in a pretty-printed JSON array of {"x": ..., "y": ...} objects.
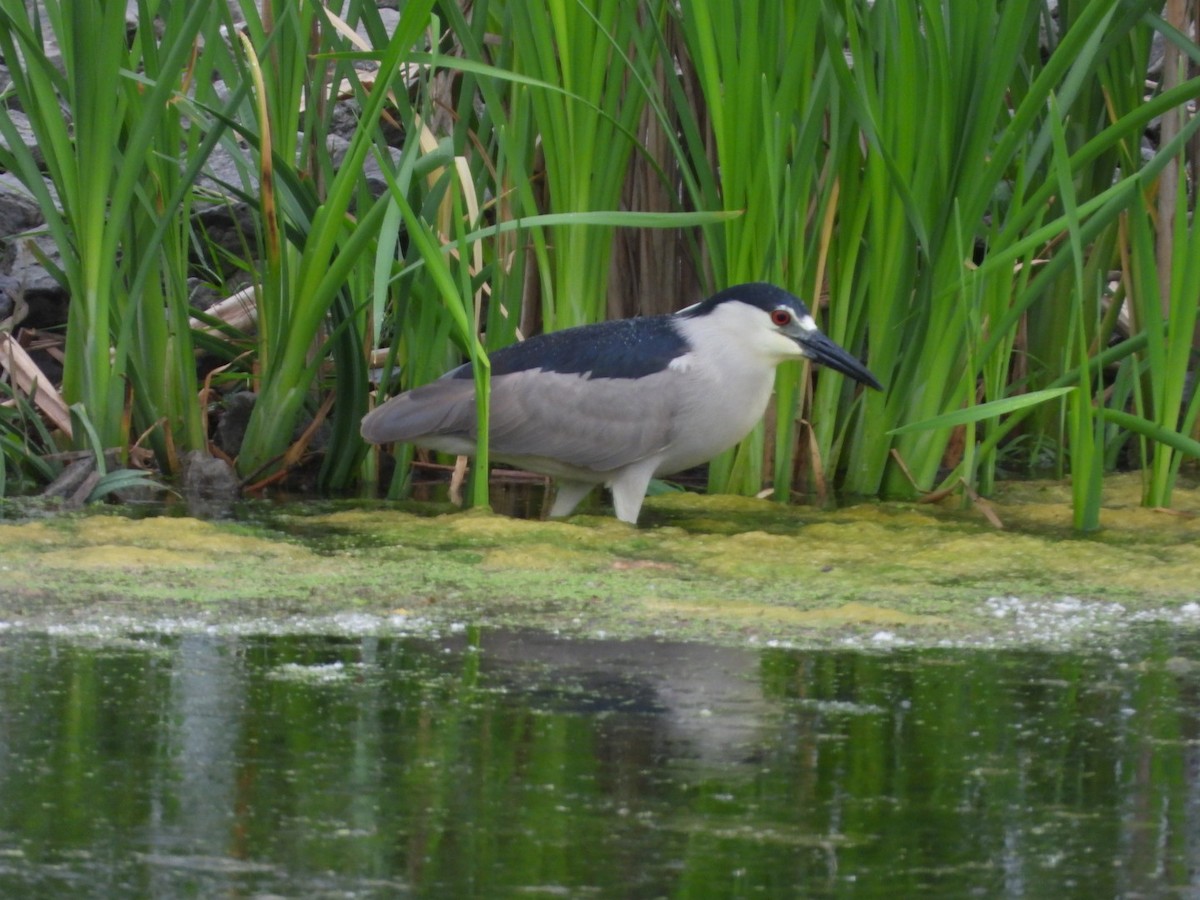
[{"x": 622, "y": 348}]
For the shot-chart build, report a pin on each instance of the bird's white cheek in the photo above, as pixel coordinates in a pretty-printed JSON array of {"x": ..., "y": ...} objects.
[{"x": 783, "y": 347}]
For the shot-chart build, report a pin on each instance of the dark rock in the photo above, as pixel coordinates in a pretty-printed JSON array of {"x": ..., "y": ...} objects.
[
  {"x": 346, "y": 120},
  {"x": 229, "y": 222},
  {"x": 46, "y": 300},
  {"x": 231, "y": 428},
  {"x": 12, "y": 302}
]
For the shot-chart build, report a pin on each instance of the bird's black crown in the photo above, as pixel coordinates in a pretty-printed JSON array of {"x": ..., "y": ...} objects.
[{"x": 765, "y": 296}]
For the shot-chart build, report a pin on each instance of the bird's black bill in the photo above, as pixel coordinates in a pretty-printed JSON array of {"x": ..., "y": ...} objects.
[{"x": 822, "y": 350}]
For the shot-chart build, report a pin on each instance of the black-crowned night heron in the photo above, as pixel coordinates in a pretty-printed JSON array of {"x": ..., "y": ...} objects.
[{"x": 623, "y": 401}]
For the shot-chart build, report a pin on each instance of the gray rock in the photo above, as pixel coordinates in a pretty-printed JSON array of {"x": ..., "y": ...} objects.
[
  {"x": 210, "y": 486},
  {"x": 75, "y": 483},
  {"x": 19, "y": 212},
  {"x": 25, "y": 133},
  {"x": 376, "y": 183}
]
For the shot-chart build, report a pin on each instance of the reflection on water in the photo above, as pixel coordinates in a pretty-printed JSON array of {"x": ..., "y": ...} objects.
[{"x": 501, "y": 764}]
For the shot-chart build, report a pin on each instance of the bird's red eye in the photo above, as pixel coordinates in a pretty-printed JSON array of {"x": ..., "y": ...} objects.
[{"x": 781, "y": 317}]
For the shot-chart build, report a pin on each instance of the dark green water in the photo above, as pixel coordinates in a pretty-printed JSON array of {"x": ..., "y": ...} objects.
[{"x": 499, "y": 765}]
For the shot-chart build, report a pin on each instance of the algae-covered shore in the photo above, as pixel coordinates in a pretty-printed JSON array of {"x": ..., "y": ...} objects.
[{"x": 720, "y": 569}]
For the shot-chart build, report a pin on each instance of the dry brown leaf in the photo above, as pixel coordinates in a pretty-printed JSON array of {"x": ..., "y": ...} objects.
[{"x": 30, "y": 380}]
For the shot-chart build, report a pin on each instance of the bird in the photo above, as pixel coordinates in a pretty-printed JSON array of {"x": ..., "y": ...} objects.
[{"x": 622, "y": 401}]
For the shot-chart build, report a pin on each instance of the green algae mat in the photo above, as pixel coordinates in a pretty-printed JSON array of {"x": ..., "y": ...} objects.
[{"x": 719, "y": 569}]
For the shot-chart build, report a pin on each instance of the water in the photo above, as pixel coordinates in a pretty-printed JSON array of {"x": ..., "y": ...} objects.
[{"x": 495, "y": 764}]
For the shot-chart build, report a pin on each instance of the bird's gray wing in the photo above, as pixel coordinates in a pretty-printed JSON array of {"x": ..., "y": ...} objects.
[
  {"x": 442, "y": 407},
  {"x": 590, "y": 423},
  {"x": 598, "y": 424}
]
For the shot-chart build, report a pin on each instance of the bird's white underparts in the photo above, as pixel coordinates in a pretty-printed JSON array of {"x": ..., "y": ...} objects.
[{"x": 621, "y": 402}]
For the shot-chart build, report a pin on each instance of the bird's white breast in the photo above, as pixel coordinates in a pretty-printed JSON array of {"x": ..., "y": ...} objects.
[{"x": 722, "y": 386}]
